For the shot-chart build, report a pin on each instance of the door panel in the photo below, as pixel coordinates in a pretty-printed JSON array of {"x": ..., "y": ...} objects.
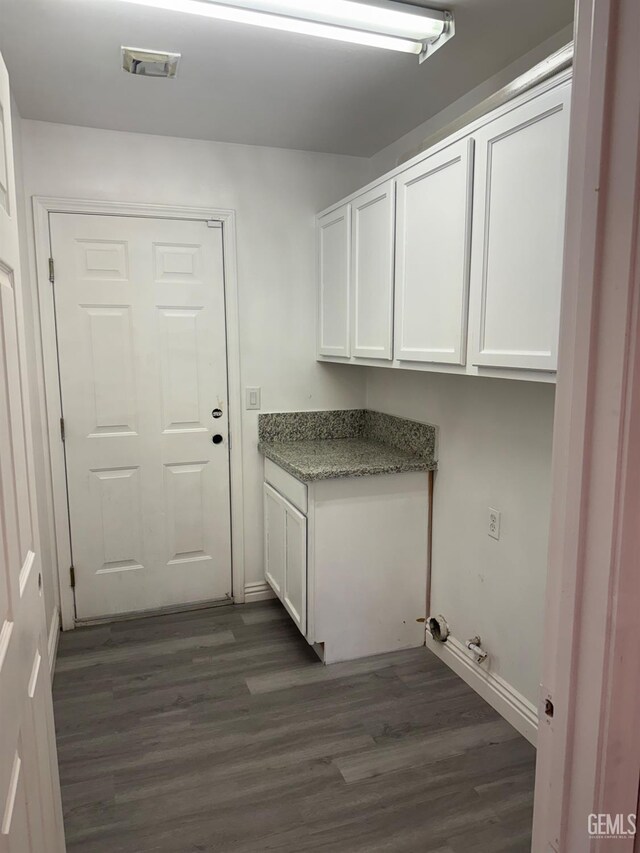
[
  {"x": 334, "y": 237},
  {"x": 274, "y": 540},
  {"x": 187, "y": 491},
  {"x": 30, "y": 806},
  {"x": 115, "y": 507},
  {"x": 518, "y": 238},
  {"x": 372, "y": 241},
  {"x": 433, "y": 242},
  {"x": 142, "y": 349},
  {"x": 285, "y": 549},
  {"x": 295, "y": 583},
  {"x": 108, "y": 343}
]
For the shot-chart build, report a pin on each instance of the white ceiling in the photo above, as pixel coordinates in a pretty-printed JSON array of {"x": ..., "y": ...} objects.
[{"x": 250, "y": 85}]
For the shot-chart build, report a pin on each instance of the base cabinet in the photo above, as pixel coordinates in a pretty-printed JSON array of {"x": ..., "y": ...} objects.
[
  {"x": 285, "y": 550},
  {"x": 274, "y": 540},
  {"x": 352, "y": 571}
]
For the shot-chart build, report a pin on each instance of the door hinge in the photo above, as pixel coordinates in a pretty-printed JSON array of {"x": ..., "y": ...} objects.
[
  {"x": 51, "y": 271},
  {"x": 72, "y": 576},
  {"x": 62, "y": 433},
  {"x": 214, "y": 223}
]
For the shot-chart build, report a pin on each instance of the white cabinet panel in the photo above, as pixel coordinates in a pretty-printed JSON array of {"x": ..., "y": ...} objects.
[
  {"x": 285, "y": 548},
  {"x": 334, "y": 238},
  {"x": 518, "y": 236},
  {"x": 295, "y": 580},
  {"x": 454, "y": 263},
  {"x": 433, "y": 232},
  {"x": 274, "y": 539},
  {"x": 372, "y": 229}
]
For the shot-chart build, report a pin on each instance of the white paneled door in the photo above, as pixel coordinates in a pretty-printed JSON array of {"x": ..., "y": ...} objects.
[
  {"x": 30, "y": 808},
  {"x": 142, "y": 353}
]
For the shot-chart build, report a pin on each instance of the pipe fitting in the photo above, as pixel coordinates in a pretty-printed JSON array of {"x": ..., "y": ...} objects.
[
  {"x": 438, "y": 628},
  {"x": 474, "y": 645}
]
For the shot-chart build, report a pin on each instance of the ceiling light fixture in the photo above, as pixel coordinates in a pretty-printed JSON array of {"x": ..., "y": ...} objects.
[{"x": 385, "y": 24}]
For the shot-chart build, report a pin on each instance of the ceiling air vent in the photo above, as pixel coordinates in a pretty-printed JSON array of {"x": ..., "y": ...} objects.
[{"x": 149, "y": 63}]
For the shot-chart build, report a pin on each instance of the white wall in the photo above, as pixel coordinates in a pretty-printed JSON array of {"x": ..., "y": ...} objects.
[
  {"x": 276, "y": 194},
  {"x": 409, "y": 144},
  {"x": 494, "y": 450}
]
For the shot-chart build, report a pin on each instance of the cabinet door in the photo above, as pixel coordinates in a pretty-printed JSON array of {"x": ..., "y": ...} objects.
[
  {"x": 518, "y": 234},
  {"x": 372, "y": 229},
  {"x": 433, "y": 241},
  {"x": 334, "y": 247},
  {"x": 274, "y": 540},
  {"x": 295, "y": 582}
]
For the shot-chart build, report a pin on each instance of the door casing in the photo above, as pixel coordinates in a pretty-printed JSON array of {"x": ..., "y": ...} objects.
[{"x": 42, "y": 207}]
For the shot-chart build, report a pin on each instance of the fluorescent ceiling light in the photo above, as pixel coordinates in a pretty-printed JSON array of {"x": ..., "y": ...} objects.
[{"x": 389, "y": 25}]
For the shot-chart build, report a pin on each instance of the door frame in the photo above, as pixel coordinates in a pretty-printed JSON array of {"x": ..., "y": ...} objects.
[
  {"x": 588, "y": 738},
  {"x": 42, "y": 207}
]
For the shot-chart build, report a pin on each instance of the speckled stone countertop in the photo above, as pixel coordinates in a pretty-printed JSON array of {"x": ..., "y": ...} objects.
[{"x": 346, "y": 443}]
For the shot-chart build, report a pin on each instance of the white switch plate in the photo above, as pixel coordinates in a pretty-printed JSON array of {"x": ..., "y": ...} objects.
[
  {"x": 494, "y": 523},
  {"x": 253, "y": 398}
]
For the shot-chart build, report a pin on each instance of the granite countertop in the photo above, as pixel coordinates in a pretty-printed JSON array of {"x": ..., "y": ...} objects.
[
  {"x": 322, "y": 459},
  {"x": 350, "y": 443}
]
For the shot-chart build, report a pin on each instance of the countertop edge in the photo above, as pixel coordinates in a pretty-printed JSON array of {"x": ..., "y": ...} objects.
[{"x": 407, "y": 466}]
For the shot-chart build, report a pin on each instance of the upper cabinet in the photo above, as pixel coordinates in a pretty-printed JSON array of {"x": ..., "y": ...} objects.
[
  {"x": 372, "y": 230},
  {"x": 518, "y": 235},
  {"x": 433, "y": 240},
  {"x": 334, "y": 238},
  {"x": 453, "y": 262}
]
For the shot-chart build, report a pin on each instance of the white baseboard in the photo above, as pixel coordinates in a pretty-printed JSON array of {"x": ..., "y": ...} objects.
[
  {"x": 54, "y": 636},
  {"x": 257, "y": 591},
  {"x": 507, "y": 701}
]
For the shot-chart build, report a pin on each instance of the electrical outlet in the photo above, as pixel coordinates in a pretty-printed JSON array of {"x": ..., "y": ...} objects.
[
  {"x": 253, "y": 398},
  {"x": 494, "y": 523}
]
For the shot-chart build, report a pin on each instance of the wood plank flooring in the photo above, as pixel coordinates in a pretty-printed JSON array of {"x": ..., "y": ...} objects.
[{"x": 219, "y": 730}]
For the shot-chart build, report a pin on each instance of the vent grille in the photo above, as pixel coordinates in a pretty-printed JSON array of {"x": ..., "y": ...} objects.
[{"x": 149, "y": 63}]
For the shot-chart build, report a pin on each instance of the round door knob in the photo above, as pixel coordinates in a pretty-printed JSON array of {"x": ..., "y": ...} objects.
[
  {"x": 217, "y": 439},
  {"x": 216, "y": 413}
]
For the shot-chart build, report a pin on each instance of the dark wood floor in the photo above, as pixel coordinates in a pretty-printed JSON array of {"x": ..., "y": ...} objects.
[{"x": 219, "y": 730}]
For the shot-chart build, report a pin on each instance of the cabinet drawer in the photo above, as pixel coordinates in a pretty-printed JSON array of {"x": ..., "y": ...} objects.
[{"x": 293, "y": 490}]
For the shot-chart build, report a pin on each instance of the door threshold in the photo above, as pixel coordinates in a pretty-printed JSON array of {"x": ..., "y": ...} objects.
[{"x": 159, "y": 611}]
